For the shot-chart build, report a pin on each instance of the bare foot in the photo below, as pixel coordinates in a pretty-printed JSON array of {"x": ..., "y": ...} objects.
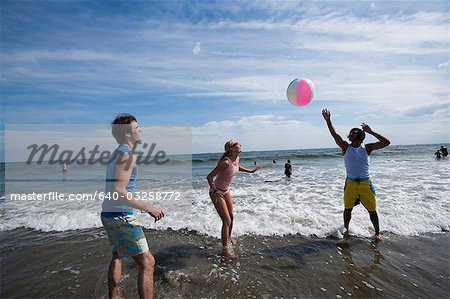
[
  {"x": 228, "y": 252},
  {"x": 233, "y": 240},
  {"x": 346, "y": 234},
  {"x": 377, "y": 238}
]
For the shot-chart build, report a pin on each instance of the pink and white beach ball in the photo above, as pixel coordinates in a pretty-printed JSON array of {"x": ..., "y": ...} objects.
[{"x": 300, "y": 92}]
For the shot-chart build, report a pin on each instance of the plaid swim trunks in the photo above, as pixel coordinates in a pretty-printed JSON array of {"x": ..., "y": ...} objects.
[{"x": 125, "y": 235}]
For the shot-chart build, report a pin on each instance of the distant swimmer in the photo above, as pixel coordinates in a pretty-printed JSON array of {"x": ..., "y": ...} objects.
[
  {"x": 64, "y": 167},
  {"x": 288, "y": 169},
  {"x": 444, "y": 151},
  {"x": 358, "y": 184},
  {"x": 274, "y": 162},
  {"x": 441, "y": 152},
  {"x": 219, "y": 180}
]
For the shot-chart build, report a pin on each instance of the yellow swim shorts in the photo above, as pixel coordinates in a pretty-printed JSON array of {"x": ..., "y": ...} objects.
[{"x": 362, "y": 187}]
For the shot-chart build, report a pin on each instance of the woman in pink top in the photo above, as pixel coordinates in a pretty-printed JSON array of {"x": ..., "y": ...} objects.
[{"x": 219, "y": 180}]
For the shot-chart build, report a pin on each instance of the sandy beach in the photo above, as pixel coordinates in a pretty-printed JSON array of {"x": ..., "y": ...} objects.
[{"x": 73, "y": 265}]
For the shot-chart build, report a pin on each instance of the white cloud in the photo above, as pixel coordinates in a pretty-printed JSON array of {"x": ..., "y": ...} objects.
[
  {"x": 419, "y": 33},
  {"x": 259, "y": 132},
  {"x": 239, "y": 68},
  {"x": 444, "y": 65},
  {"x": 270, "y": 132},
  {"x": 197, "y": 48}
]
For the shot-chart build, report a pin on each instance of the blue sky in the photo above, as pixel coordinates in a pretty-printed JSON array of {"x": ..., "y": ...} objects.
[{"x": 223, "y": 67}]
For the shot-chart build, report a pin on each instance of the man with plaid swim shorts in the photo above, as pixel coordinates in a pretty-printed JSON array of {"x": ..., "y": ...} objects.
[
  {"x": 358, "y": 186},
  {"x": 125, "y": 235}
]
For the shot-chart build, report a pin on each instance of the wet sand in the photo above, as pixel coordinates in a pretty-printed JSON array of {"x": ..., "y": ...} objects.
[{"x": 73, "y": 264}]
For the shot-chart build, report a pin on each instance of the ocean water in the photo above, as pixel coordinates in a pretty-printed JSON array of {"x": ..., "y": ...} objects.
[{"x": 412, "y": 194}]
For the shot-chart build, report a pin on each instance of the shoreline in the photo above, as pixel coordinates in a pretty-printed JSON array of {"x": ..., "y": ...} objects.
[{"x": 188, "y": 265}]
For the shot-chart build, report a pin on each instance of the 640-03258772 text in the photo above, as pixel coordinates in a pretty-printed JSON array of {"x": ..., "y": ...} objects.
[{"x": 58, "y": 196}]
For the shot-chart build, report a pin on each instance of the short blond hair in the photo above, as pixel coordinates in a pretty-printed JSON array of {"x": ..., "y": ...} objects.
[{"x": 229, "y": 144}]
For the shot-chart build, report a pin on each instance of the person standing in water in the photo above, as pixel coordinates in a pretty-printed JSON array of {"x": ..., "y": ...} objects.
[
  {"x": 64, "y": 167},
  {"x": 438, "y": 154},
  {"x": 357, "y": 158},
  {"x": 444, "y": 151},
  {"x": 219, "y": 180},
  {"x": 125, "y": 235},
  {"x": 288, "y": 169}
]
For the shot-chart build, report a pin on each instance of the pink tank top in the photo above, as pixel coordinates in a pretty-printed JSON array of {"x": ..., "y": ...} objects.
[{"x": 224, "y": 179}]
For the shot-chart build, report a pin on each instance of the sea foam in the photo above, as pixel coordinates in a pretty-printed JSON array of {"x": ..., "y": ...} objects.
[{"x": 412, "y": 198}]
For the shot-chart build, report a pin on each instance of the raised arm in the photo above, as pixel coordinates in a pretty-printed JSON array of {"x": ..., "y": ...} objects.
[
  {"x": 243, "y": 169},
  {"x": 382, "y": 141},
  {"x": 122, "y": 177},
  {"x": 337, "y": 138}
]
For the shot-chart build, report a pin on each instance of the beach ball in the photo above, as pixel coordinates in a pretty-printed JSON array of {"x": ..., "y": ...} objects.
[{"x": 300, "y": 92}]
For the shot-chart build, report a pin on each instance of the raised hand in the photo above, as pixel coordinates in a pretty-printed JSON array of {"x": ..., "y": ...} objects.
[
  {"x": 366, "y": 128},
  {"x": 326, "y": 114}
]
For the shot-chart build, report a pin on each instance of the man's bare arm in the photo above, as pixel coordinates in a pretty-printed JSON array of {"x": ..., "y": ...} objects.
[
  {"x": 337, "y": 138},
  {"x": 381, "y": 143}
]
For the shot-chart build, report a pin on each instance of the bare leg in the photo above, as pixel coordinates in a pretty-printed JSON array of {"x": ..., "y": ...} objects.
[
  {"x": 146, "y": 263},
  {"x": 376, "y": 225},
  {"x": 114, "y": 275},
  {"x": 222, "y": 210},
  {"x": 229, "y": 203},
  {"x": 347, "y": 218}
]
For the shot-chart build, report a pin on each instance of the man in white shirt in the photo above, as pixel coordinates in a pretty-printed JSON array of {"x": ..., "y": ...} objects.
[{"x": 358, "y": 186}]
